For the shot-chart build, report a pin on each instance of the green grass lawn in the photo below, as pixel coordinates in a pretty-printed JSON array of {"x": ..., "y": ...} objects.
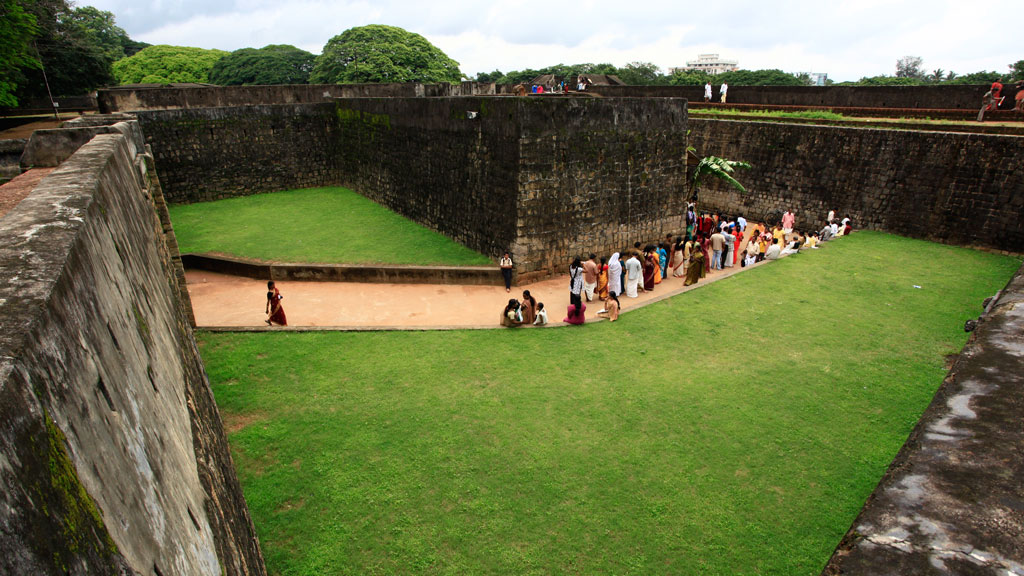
[
  {"x": 734, "y": 429},
  {"x": 322, "y": 225}
]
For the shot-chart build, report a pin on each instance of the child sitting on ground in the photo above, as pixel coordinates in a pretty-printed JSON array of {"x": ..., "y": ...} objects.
[{"x": 542, "y": 315}]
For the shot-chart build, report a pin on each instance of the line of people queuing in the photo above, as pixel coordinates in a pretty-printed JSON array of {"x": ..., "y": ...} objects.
[{"x": 711, "y": 242}]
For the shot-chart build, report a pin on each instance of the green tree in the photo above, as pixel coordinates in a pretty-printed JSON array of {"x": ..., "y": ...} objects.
[
  {"x": 982, "y": 77},
  {"x": 1017, "y": 70},
  {"x": 910, "y": 67},
  {"x": 101, "y": 31},
  {"x": 273, "y": 64},
  {"x": 715, "y": 167},
  {"x": 689, "y": 78},
  {"x": 884, "y": 80},
  {"x": 498, "y": 77},
  {"x": 17, "y": 28},
  {"x": 758, "y": 78},
  {"x": 378, "y": 53},
  {"x": 164, "y": 64},
  {"x": 641, "y": 74},
  {"x": 70, "y": 50}
]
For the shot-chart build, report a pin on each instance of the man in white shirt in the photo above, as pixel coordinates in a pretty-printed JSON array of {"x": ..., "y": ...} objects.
[
  {"x": 730, "y": 246},
  {"x": 634, "y": 273},
  {"x": 723, "y": 91},
  {"x": 707, "y": 92},
  {"x": 774, "y": 251}
]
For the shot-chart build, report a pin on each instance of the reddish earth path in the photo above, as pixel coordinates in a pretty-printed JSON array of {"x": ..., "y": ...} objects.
[
  {"x": 219, "y": 300},
  {"x": 19, "y": 187}
]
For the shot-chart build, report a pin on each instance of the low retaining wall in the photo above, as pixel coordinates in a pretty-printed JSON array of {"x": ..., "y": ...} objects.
[
  {"x": 952, "y": 501},
  {"x": 377, "y": 274}
]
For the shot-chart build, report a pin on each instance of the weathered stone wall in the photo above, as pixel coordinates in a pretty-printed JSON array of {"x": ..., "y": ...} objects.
[
  {"x": 548, "y": 179},
  {"x": 135, "y": 98},
  {"x": 210, "y": 153},
  {"x": 956, "y": 96},
  {"x": 597, "y": 176},
  {"x": 112, "y": 455},
  {"x": 425, "y": 159},
  {"x": 956, "y": 188},
  {"x": 952, "y": 501}
]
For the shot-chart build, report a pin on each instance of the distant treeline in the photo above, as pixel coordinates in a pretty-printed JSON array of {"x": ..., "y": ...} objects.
[{"x": 78, "y": 49}]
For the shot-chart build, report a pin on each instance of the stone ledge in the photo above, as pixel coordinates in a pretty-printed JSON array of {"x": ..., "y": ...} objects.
[
  {"x": 952, "y": 502},
  {"x": 372, "y": 274}
]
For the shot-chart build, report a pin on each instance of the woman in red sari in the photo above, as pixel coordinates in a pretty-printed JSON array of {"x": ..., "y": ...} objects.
[
  {"x": 649, "y": 266},
  {"x": 736, "y": 250},
  {"x": 705, "y": 249},
  {"x": 275, "y": 313}
]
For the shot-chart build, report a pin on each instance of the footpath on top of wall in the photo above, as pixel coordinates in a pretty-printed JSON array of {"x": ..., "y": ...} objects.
[{"x": 133, "y": 98}]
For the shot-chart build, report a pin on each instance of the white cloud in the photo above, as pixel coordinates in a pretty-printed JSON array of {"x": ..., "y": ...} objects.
[{"x": 847, "y": 39}]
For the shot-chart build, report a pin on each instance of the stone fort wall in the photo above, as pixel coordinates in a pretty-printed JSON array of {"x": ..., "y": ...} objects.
[
  {"x": 544, "y": 178},
  {"x": 954, "y": 188},
  {"x": 113, "y": 458},
  {"x": 966, "y": 96},
  {"x": 135, "y": 98}
]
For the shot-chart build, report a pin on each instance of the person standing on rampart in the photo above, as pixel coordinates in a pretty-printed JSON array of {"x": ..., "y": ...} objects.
[
  {"x": 723, "y": 91},
  {"x": 707, "y": 91}
]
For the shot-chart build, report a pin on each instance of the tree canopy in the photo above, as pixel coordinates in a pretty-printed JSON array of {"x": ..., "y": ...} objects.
[
  {"x": 74, "y": 47},
  {"x": 273, "y": 64},
  {"x": 1017, "y": 70},
  {"x": 378, "y": 53},
  {"x": 17, "y": 28},
  {"x": 760, "y": 78},
  {"x": 162, "y": 64}
]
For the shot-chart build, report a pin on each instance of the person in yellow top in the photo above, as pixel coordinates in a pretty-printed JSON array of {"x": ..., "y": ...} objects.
[{"x": 779, "y": 234}]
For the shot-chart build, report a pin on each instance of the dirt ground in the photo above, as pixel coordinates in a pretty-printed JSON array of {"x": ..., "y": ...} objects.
[
  {"x": 19, "y": 187},
  {"x": 219, "y": 300}
]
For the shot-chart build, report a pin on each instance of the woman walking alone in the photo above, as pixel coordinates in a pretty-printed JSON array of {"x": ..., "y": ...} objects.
[{"x": 275, "y": 313}]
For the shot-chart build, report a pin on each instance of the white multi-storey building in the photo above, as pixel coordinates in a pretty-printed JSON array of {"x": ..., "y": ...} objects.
[{"x": 710, "y": 63}]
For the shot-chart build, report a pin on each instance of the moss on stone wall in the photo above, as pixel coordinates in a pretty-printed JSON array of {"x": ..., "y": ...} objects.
[{"x": 62, "y": 497}]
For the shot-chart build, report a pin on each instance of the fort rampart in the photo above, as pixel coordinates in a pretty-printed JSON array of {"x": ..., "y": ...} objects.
[
  {"x": 133, "y": 98},
  {"x": 966, "y": 96},
  {"x": 112, "y": 456},
  {"x": 955, "y": 188},
  {"x": 547, "y": 179}
]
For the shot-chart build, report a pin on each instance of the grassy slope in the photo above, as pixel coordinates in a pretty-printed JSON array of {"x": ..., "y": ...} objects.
[
  {"x": 736, "y": 429},
  {"x": 326, "y": 225}
]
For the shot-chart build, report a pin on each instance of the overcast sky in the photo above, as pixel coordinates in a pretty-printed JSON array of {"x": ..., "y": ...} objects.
[{"x": 846, "y": 39}]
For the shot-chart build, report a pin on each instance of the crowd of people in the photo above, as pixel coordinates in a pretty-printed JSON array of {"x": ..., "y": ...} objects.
[{"x": 711, "y": 242}]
